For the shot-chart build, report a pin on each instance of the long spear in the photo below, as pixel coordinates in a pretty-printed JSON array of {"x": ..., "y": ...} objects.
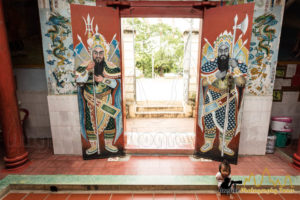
[
  {"x": 243, "y": 27},
  {"x": 228, "y": 90},
  {"x": 95, "y": 108},
  {"x": 226, "y": 115}
]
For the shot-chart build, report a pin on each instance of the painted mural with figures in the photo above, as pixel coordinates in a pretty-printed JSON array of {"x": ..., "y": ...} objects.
[
  {"x": 264, "y": 51},
  {"x": 58, "y": 52},
  {"x": 264, "y": 45},
  {"x": 98, "y": 80},
  {"x": 224, "y": 67}
]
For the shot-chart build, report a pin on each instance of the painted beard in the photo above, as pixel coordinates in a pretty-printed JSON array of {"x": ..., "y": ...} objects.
[
  {"x": 223, "y": 63},
  {"x": 99, "y": 67}
]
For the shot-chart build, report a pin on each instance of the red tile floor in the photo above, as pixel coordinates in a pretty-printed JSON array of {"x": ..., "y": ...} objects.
[
  {"x": 43, "y": 162},
  {"x": 156, "y": 196}
]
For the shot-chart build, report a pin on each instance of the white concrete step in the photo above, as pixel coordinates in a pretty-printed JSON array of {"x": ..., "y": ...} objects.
[
  {"x": 159, "y": 108},
  {"x": 160, "y": 114},
  {"x": 149, "y": 103}
]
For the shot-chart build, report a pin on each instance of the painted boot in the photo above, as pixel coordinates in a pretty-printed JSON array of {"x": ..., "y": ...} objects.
[
  {"x": 109, "y": 146},
  {"x": 93, "y": 149},
  {"x": 227, "y": 150},
  {"x": 208, "y": 145}
]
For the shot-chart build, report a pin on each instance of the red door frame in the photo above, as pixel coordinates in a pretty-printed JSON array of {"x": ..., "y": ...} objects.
[
  {"x": 174, "y": 9},
  {"x": 160, "y": 9}
]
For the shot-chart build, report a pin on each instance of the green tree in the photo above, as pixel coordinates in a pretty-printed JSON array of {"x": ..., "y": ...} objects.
[{"x": 163, "y": 41}]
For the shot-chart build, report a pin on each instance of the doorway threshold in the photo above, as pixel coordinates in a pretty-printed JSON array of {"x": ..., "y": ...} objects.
[{"x": 160, "y": 143}]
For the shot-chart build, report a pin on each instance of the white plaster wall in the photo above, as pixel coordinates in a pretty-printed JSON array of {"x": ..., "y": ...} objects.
[
  {"x": 255, "y": 125},
  {"x": 281, "y": 82},
  {"x": 32, "y": 95},
  {"x": 289, "y": 107},
  {"x": 38, "y": 124},
  {"x": 170, "y": 90},
  {"x": 194, "y": 63},
  {"x": 30, "y": 79},
  {"x": 128, "y": 64},
  {"x": 65, "y": 127},
  {"x": 128, "y": 57}
]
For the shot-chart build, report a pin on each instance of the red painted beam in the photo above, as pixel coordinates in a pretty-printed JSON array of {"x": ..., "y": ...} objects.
[
  {"x": 162, "y": 12},
  {"x": 15, "y": 154},
  {"x": 175, "y": 9}
]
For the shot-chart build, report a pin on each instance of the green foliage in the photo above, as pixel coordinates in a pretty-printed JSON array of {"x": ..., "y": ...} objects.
[{"x": 160, "y": 42}]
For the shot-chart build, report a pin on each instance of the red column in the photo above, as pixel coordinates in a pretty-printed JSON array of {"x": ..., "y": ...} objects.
[
  {"x": 15, "y": 154},
  {"x": 296, "y": 157},
  {"x": 296, "y": 78}
]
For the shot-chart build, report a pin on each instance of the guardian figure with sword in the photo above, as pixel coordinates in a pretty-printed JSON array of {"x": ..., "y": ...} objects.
[{"x": 99, "y": 93}]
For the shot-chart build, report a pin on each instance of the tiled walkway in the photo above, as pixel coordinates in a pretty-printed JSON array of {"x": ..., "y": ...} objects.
[
  {"x": 160, "y": 125},
  {"x": 136, "y": 196},
  {"x": 43, "y": 162},
  {"x": 157, "y": 136},
  {"x": 161, "y": 141}
]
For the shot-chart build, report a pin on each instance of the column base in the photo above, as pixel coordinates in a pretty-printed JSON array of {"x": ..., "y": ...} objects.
[
  {"x": 296, "y": 161},
  {"x": 17, "y": 162}
]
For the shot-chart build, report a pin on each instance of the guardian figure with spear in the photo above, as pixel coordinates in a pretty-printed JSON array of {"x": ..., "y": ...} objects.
[{"x": 223, "y": 80}]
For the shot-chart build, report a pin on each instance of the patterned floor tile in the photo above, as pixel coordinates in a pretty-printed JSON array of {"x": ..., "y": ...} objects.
[
  {"x": 271, "y": 197},
  {"x": 249, "y": 197},
  {"x": 164, "y": 196},
  {"x": 227, "y": 197},
  {"x": 185, "y": 197},
  {"x": 36, "y": 196},
  {"x": 207, "y": 197},
  {"x": 143, "y": 196},
  {"x": 57, "y": 197},
  {"x": 121, "y": 197},
  {"x": 291, "y": 196},
  {"x": 47, "y": 163},
  {"x": 100, "y": 197},
  {"x": 14, "y": 196},
  {"x": 79, "y": 197}
]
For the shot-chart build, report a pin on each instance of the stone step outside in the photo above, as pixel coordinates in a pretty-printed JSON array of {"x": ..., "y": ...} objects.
[
  {"x": 159, "y": 108},
  {"x": 154, "y": 103},
  {"x": 166, "y": 114}
]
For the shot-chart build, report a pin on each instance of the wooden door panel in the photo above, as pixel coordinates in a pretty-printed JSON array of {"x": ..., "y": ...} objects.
[
  {"x": 96, "y": 39},
  {"x": 225, "y": 43}
]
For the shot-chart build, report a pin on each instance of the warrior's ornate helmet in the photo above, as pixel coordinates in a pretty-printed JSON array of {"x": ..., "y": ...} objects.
[
  {"x": 224, "y": 38},
  {"x": 98, "y": 40}
]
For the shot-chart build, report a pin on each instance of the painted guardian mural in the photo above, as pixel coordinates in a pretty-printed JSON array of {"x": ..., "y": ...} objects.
[
  {"x": 264, "y": 51},
  {"x": 58, "y": 44},
  {"x": 264, "y": 46},
  {"x": 224, "y": 66},
  {"x": 81, "y": 46},
  {"x": 98, "y": 79}
]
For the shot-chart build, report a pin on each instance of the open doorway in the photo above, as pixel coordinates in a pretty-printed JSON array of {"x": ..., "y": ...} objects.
[{"x": 160, "y": 60}]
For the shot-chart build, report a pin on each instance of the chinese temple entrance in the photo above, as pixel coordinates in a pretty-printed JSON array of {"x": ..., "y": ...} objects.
[{"x": 160, "y": 65}]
